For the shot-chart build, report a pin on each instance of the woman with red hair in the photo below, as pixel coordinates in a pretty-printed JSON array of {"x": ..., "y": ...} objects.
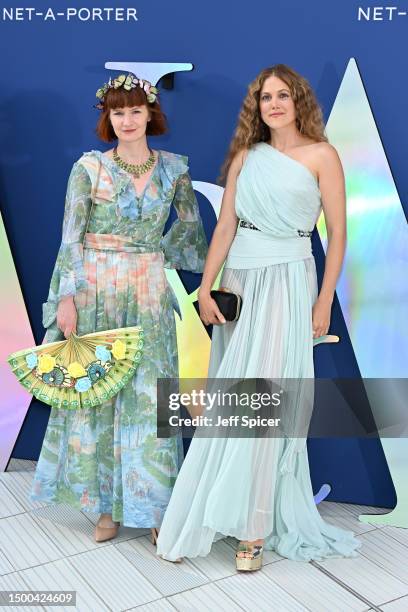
[{"x": 110, "y": 274}]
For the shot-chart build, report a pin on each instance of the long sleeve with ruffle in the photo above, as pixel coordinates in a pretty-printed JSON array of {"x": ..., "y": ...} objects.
[
  {"x": 185, "y": 244},
  {"x": 68, "y": 277}
]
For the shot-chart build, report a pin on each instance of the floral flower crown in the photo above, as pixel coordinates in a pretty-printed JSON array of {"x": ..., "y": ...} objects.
[{"x": 128, "y": 82}]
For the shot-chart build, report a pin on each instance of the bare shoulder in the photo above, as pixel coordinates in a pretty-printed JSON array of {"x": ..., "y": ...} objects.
[
  {"x": 326, "y": 161},
  {"x": 325, "y": 151}
]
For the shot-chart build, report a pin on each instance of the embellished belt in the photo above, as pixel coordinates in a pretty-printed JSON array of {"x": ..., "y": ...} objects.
[{"x": 247, "y": 224}]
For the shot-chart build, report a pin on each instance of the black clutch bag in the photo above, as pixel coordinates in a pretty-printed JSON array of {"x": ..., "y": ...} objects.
[{"x": 228, "y": 302}]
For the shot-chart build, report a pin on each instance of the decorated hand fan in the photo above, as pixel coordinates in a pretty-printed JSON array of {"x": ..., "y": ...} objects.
[{"x": 82, "y": 371}]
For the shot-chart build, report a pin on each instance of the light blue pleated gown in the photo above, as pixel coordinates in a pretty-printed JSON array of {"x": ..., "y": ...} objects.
[{"x": 254, "y": 488}]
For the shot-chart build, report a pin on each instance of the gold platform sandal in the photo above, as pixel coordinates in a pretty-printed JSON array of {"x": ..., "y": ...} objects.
[{"x": 252, "y": 563}]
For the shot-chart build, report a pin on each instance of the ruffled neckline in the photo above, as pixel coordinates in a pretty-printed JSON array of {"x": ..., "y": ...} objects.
[
  {"x": 168, "y": 168},
  {"x": 112, "y": 165}
]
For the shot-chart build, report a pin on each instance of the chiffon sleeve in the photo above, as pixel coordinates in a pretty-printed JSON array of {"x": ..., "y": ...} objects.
[
  {"x": 68, "y": 277},
  {"x": 185, "y": 244}
]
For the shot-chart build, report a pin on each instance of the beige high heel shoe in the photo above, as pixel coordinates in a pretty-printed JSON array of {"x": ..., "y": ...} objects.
[
  {"x": 154, "y": 535},
  {"x": 102, "y": 534}
]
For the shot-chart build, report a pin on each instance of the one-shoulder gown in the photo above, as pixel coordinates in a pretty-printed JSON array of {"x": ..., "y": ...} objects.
[{"x": 254, "y": 488}]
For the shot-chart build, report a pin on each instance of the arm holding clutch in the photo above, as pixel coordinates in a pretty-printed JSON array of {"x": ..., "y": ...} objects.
[{"x": 223, "y": 236}]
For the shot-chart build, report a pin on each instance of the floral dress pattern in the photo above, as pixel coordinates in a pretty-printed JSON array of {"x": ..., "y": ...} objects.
[{"x": 112, "y": 259}]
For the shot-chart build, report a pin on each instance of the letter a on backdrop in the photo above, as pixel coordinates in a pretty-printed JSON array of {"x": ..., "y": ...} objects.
[{"x": 373, "y": 288}]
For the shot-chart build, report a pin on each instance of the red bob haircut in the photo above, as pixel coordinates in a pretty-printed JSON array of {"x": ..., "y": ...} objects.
[{"x": 120, "y": 98}]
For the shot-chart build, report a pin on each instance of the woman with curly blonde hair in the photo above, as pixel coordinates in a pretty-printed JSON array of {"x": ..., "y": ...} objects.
[{"x": 281, "y": 172}]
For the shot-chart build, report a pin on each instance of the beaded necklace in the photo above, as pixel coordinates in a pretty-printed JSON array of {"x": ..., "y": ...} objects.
[{"x": 135, "y": 169}]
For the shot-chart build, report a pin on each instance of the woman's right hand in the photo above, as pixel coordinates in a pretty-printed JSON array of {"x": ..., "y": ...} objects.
[
  {"x": 210, "y": 314},
  {"x": 67, "y": 315}
]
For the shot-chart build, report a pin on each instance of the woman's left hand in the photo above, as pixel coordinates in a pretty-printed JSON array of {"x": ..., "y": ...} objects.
[{"x": 321, "y": 317}]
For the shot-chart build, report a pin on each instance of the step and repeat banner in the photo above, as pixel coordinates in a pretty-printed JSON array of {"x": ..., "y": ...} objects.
[{"x": 202, "y": 55}]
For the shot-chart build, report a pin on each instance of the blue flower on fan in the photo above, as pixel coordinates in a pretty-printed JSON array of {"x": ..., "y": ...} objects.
[
  {"x": 83, "y": 384},
  {"x": 31, "y": 360},
  {"x": 102, "y": 353}
]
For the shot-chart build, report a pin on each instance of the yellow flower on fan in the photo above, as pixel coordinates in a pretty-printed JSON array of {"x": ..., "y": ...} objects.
[
  {"x": 119, "y": 349},
  {"x": 46, "y": 363},
  {"x": 76, "y": 370}
]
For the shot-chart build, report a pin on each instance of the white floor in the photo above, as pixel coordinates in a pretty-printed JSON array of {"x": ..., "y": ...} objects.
[{"x": 52, "y": 548}]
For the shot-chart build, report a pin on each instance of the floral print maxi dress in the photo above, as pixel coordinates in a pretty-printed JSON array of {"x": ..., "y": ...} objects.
[{"x": 108, "y": 459}]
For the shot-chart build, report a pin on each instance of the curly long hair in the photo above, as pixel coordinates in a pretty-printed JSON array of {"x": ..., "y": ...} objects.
[{"x": 252, "y": 129}]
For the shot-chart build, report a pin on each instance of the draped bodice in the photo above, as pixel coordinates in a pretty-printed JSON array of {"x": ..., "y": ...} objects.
[{"x": 281, "y": 197}]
